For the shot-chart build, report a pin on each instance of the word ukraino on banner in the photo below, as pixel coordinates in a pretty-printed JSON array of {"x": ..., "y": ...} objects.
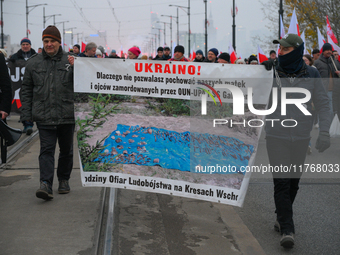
[{"x": 134, "y": 133}]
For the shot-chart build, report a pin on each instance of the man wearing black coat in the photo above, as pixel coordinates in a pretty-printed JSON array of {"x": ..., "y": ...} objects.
[
  {"x": 6, "y": 89},
  {"x": 287, "y": 143}
]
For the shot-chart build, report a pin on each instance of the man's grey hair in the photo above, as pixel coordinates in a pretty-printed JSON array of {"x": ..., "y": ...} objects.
[{"x": 90, "y": 46}]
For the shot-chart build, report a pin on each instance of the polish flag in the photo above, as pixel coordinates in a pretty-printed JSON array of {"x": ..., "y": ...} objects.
[
  {"x": 260, "y": 55},
  {"x": 335, "y": 47},
  {"x": 303, "y": 37},
  {"x": 16, "y": 99},
  {"x": 121, "y": 50},
  {"x": 330, "y": 32},
  {"x": 278, "y": 49},
  {"x": 321, "y": 40},
  {"x": 282, "y": 29},
  {"x": 193, "y": 53},
  {"x": 83, "y": 45},
  {"x": 294, "y": 25},
  {"x": 232, "y": 54}
]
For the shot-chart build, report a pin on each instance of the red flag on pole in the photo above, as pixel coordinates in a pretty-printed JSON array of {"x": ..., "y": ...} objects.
[
  {"x": 232, "y": 54},
  {"x": 83, "y": 45},
  {"x": 260, "y": 55},
  {"x": 294, "y": 25},
  {"x": 330, "y": 32}
]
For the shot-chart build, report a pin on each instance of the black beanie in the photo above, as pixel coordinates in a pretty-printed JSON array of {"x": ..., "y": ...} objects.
[
  {"x": 225, "y": 56},
  {"x": 160, "y": 49},
  {"x": 327, "y": 46},
  {"x": 179, "y": 48}
]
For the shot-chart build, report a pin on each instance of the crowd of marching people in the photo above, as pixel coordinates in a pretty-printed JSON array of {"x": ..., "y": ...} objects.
[{"x": 47, "y": 88}]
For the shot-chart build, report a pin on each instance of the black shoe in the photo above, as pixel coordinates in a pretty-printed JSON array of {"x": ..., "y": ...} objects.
[
  {"x": 287, "y": 240},
  {"x": 28, "y": 130},
  {"x": 277, "y": 226},
  {"x": 64, "y": 187},
  {"x": 45, "y": 191}
]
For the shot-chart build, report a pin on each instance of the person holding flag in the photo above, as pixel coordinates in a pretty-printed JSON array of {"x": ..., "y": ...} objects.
[{"x": 287, "y": 146}]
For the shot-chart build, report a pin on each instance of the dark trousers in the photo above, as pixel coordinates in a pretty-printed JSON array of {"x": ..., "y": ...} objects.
[
  {"x": 48, "y": 141},
  {"x": 286, "y": 153}
]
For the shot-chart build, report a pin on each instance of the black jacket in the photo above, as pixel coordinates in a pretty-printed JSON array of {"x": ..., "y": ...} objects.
[
  {"x": 20, "y": 55},
  {"x": 5, "y": 86},
  {"x": 308, "y": 78},
  {"x": 325, "y": 68},
  {"x": 47, "y": 90},
  {"x": 201, "y": 60}
]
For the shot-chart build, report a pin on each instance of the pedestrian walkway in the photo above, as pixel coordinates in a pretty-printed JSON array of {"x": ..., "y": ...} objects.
[{"x": 68, "y": 224}]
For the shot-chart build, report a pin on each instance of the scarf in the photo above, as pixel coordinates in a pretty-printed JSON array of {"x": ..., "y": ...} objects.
[{"x": 293, "y": 61}]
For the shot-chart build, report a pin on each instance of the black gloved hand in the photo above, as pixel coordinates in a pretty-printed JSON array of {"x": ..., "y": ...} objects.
[
  {"x": 323, "y": 142},
  {"x": 268, "y": 65}
]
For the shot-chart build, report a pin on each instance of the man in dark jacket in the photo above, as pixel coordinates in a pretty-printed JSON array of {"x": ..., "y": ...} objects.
[
  {"x": 25, "y": 52},
  {"x": 6, "y": 89},
  {"x": 159, "y": 54},
  {"x": 166, "y": 53},
  {"x": 212, "y": 56},
  {"x": 23, "y": 55},
  {"x": 287, "y": 141},
  {"x": 199, "y": 56},
  {"x": 329, "y": 71},
  {"x": 47, "y": 99}
]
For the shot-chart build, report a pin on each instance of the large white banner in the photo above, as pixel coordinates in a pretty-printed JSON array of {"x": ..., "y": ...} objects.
[{"x": 134, "y": 144}]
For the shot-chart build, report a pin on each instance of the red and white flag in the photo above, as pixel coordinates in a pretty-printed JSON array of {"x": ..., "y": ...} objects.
[
  {"x": 303, "y": 37},
  {"x": 193, "y": 53},
  {"x": 16, "y": 99},
  {"x": 121, "y": 50},
  {"x": 83, "y": 45},
  {"x": 334, "y": 46},
  {"x": 294, "y": 25},
  {"x": 321, "y": 40},
  {"x": 282, "y": 29},
  {"x": 260, "y": 55},
  {"x": 330, "y": 32},
  {"x": 232, "y": 54}
]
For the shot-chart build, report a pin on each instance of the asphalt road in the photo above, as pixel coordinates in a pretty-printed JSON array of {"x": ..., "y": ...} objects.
[{"x": 316, "y": 208}]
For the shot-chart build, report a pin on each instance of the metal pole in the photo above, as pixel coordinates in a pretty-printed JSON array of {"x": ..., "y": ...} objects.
[
  {"x": 159, "y": 36},
  {"x": 26, "y": 19},
  {"x": 44, "y": 18},
  {"x": 206, "y": 29},
  {"x": 164, "y": 33},
  {"x": 63, "y": 36},
  {"x": 189, "y": 26},
  {"x": 2, "y": 26},
  {"x": 280, "y": 15},
  {"x": 234, "y": 27},
  {"x": 177, "y": 28},
  {"x": 171, "y": 33}
]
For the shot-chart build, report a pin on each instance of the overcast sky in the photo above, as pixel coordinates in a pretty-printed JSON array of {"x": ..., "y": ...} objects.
[{"x": 134, "y": 16}]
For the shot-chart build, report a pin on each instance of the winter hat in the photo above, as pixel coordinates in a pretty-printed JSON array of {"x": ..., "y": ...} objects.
[
  {"x": 51, "y": 32},
  {"x": 179, "y": 48},
  {"x": 199, "y": 52},
  {"x": 98, "y": 52},
  {"x": 327, "y": 46},
  {"x": 225, "y": 56},
  {"x": 25, "y": 40},
  {"x": 101, "y": 48},
  {"x": 77, "y": 45},
  {"x": 271, "y": 52},
  {"x": 160, "y": 49},
  {"x": 166, "y": 48},
  {"x": 135, "y": 51},
  {"x": 252, "y": 58},
  {"x": 215, "y": 51},
  {"x": 113, "y": 51}
]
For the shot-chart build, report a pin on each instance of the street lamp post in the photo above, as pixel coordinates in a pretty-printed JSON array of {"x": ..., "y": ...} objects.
[
  {"x": 71, "y": 28},
  {"x": 234, "y": 27},
  {"x": 280, "y": 15},
  {"x": 170, "y": 29},
  {"x": 187, "y": 12},
  {"x": 206, "y": 28},
  {"x": 46, "y": 18},
  {"x": 28, "y": 11},
  {"x": 155, "y": 40},
  {"x": 63, "y": 22},
  {"x": 164, "y": 29}
]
